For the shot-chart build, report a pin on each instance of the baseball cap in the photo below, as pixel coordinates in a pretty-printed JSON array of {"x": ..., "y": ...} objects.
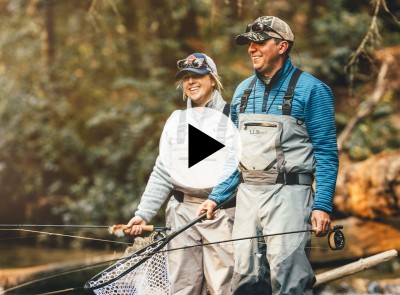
[
  {"x": 198, "y": 63},
  {"x": 264, "y": 28}
]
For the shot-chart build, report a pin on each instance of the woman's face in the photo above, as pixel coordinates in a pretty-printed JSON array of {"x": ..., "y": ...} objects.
[{"x": 198, "y": 88}]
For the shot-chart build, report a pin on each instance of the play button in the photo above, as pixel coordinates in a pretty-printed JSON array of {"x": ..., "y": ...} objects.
[
  {"x": 199, "y": 148},
  {"x": 201, "y": 145}
]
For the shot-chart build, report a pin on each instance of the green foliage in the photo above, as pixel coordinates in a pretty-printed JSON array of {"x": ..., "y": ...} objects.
[
  {"x": 82, "y": 131},
  {"x": 86, "y": 86},
  {"x": 372, "y": 137},
  {"x": 336, "y": 35},
  {"x": 375, "y": 134}
]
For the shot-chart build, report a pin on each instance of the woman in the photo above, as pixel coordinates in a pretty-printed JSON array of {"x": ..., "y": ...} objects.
[{"x": 198, "y": 269}]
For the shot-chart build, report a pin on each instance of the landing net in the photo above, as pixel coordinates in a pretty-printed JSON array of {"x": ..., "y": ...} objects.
[{"x": 149, "y": 278}]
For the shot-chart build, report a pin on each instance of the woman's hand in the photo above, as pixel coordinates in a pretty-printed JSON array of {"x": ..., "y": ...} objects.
[{"x": 134, "y": 226}]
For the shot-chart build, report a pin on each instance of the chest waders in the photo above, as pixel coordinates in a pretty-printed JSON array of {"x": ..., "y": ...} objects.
[
  {"x": 180, "y": 156},
  {"x": 197, "y": 270},
  {"x": 274, "y": 195}
]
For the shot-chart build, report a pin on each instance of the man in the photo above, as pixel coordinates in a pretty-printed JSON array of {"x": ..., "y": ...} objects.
[{"x": 287, "y": 125}]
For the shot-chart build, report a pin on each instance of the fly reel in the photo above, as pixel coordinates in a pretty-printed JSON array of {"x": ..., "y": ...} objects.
[{"x": 336, "y": 240}]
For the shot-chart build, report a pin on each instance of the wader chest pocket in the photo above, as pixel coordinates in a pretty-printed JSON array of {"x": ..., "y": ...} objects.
[
  {"x": 261, "y": 140},
  {"x": 259, "y": 125}
]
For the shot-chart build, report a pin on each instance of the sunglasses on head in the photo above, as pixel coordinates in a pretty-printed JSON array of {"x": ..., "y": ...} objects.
[
  {"x": 258, "y": 27},
  {"x": 193, "y": 62}
]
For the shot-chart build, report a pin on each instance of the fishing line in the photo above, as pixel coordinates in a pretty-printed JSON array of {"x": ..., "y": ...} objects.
[
  {"x": 163, "y": 241},
  {"x": 157, "y": 244},
  {"x": 60, "y": 291},
  {"x": 247, "y": 238},
  {"x": 251, "y": 239},
  {"x": 66, "y": 272},
  {"x": 226, "y": 244},
  {"x": 172, "y": 249},
  {"x": 74, "y": 226},
  {"x": 64, "y": 235}
]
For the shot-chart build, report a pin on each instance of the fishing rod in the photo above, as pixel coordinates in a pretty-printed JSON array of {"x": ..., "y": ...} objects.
[
  {"x": 336, "y": 241},
  {"x": 54, "y": 234},
  {"x": 79, "y": 226},
  {"x": 116, "y": 230},
  {"x": 72, "y": 226},
  {"x": 145, "y": 252},
  {"x": 133, "y": 261}
]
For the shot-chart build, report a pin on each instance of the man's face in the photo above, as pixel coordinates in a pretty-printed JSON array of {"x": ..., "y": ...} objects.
[{"x": 266, "y": 56}]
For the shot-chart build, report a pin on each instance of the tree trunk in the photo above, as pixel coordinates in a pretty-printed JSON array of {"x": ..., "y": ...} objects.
[
  {"x": 354, "y": 267},
  {"x": 370, "y": 189},
  {"x": 130, "y": 19},
  {"x": 49, "y": 37}
]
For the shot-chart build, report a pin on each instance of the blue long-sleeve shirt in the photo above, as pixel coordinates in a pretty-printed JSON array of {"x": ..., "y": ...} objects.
[{"x": 313, "y": 103}]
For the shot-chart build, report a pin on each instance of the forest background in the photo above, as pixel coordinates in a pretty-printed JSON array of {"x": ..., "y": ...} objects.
[{"x": 86, "y": 87}]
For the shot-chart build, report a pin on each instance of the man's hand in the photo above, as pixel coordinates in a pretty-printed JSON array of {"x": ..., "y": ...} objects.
[
  {"x": 321, "y": 222},
  {"x": 134, "y": 226},
  {"x": 207, "y": 206}
]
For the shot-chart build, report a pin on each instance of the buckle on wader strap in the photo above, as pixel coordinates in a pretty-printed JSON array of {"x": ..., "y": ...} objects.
[
  {"x": 179, "y": 196},
  {"x": 245, "y": 96},
  {"x": 292, "y": 178},
  {"x": 287, "y": 99}
]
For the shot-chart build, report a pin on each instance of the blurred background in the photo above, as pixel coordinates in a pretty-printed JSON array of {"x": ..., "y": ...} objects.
[{"x": 86, "y": 87}]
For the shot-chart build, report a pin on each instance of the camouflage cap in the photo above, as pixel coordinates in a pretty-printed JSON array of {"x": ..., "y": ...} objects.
[{"x": 277, "y": 29}]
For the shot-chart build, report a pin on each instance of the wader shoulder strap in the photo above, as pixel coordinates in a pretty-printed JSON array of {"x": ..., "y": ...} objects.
[
  {"x": 288, "y": 98},
  {"x": 245, "y": 96},
  {"x": 221, "y": 129},
  {"x": 181, "y": 130},
  {"x": 227, "y": 109}
]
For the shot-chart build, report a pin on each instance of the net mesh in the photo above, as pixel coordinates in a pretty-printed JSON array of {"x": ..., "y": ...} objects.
[{"x": 149, "y": 278}]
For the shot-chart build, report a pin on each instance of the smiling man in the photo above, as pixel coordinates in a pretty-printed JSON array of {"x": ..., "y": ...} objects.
[{"x": 287, "y": 126}]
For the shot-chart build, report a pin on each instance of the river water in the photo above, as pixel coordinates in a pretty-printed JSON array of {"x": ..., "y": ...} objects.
[
  {"x": 18, "y": 259},
  {"x": 382, "y": 279}
]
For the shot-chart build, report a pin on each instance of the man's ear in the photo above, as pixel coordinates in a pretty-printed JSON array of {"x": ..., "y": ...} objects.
[{"x": 284, "y": 45}]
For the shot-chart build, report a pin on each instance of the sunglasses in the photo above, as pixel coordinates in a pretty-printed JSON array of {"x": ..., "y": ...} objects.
[
  {"x": 194, "y": 63},
  {"x": 258, "y": 27}
]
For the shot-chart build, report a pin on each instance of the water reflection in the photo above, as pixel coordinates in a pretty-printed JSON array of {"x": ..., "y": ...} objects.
[
  {"x": 36, "y": 261},
  {"x": 24, "y": 262}
]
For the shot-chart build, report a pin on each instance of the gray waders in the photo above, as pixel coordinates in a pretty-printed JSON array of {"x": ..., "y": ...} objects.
[
  {"x": 198, "y": 270},
  {"x": 275, "y": 196}
]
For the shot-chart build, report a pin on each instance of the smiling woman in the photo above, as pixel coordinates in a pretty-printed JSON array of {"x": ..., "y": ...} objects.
[
  {"x": 197, "y": 66},
  {"x": 191, "y": 271},
  {"x": 199, "y": 88}
]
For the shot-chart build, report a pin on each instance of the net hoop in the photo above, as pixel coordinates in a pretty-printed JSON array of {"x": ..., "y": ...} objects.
[{"x": 125, "y": 266}]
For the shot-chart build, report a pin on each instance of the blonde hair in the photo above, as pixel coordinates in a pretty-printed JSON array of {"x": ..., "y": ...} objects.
[{"x": 217, "y": 79}]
